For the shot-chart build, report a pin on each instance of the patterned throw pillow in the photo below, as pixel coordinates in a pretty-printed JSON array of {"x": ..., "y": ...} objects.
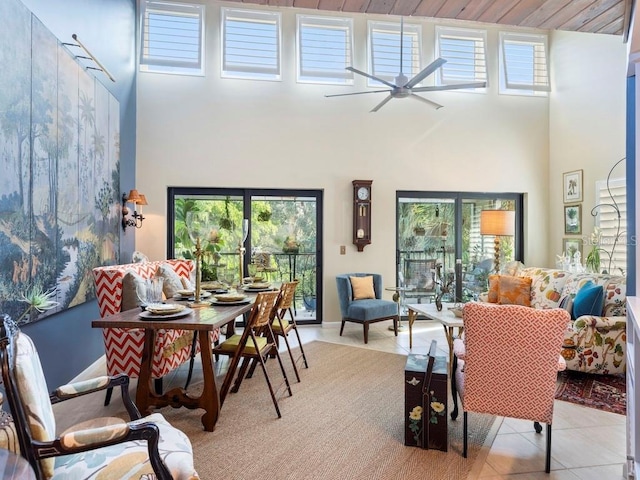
[
  {"x": 588, "y": 301},
  {"x": 514, "y": 291},
  {"x": 362, "y": 287}
]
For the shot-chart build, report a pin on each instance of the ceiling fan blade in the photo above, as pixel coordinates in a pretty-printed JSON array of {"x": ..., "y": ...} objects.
[
  {"x": 360, "y": 72},
  {"x": 428, "y": 102},
  {"x": 381, "y": 104},
  {"x": 357, "y": 93},
  {"x": 428, "y": 70},
  {"x": 450, "y": 87}
]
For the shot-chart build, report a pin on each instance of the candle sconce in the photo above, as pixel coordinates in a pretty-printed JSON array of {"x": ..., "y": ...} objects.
[{"x": 136, "y": 217}]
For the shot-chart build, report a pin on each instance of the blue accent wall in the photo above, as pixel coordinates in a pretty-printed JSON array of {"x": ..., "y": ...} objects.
[
  {"x": 66, "y": 342},
  {"x": 632, "y": 234}
]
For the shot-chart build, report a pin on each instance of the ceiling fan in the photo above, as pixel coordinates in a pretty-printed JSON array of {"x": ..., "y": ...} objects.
[{"x": 403, "y": 87}]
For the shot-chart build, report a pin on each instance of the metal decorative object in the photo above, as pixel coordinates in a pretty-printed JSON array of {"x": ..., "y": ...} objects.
[{"x": 616, "y": 209}]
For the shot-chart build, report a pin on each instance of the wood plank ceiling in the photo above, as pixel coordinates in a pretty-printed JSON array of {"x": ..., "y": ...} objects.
[{"x": 593, "y": 16}]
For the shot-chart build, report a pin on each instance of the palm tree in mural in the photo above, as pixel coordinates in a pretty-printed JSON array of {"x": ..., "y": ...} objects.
[{"x": 87, "y": 121}]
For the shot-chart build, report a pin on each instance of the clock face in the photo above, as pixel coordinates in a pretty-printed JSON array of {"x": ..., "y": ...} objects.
[{"x": 363, "y": 193}]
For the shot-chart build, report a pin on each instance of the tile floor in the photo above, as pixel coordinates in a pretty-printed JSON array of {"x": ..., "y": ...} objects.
[{"x": 587, "y": 444}]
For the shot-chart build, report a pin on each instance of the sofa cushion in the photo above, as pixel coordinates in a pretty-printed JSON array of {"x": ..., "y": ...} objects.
[
  {"x": 362, "y": 287},
  {"x": 588, "y": 301}
]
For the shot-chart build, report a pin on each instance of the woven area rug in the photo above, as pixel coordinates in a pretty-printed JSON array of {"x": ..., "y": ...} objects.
[
  {"x": 604, "y": 392},
  {"x": 344, "y": 421}
]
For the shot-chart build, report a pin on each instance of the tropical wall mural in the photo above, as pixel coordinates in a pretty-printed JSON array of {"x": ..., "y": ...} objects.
[{"x": 59, "y": 164}]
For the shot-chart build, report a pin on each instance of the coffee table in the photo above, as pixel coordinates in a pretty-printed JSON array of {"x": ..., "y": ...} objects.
[{"x": 448, "y": 320}]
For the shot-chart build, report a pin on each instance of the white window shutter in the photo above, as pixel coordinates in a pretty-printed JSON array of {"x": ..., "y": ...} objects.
[
  {"x": 172, "y": 37},
  {"x": 251, "y": 44},
  {"x": 464, "y": 50},
  {"x": 612, "y": 203},
  {"x": 384, "y": 50},
  {"x": 524, "y": 59},
  {"x": 325, "y": 49}
]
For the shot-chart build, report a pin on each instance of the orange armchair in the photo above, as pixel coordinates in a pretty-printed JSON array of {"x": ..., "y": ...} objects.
[{"x": 508, "y": 363}]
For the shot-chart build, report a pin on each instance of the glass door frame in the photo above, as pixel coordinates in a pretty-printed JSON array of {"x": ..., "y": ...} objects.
[
  {"x": 247, "y": 194},
  {"x": 458, "y": 198}
]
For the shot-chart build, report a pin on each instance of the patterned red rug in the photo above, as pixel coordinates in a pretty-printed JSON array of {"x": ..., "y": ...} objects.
[{"x": 604, "y": 392}]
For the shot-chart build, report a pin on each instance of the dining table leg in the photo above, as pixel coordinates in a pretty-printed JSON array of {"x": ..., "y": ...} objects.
[
  {"x": 143, "y": 390},
  {"x": 210, "y": 399}
]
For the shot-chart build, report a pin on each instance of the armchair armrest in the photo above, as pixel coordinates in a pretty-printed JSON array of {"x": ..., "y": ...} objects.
[
  {"x": 93, "y": 438},
  {"x": 78, "y": 389},
  {"x": 600, "y": 323}
]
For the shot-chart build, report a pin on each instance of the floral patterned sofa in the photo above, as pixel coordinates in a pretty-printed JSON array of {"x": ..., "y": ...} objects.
[{"x": 592, "y": 343}]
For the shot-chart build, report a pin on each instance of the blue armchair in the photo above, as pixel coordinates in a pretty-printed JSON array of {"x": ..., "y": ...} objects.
[{"x": 368, "y": 310}]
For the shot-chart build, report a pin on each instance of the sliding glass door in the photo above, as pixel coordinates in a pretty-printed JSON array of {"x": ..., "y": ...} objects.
[
  {"x": 280, "y": 231},
  {"x": 443, "y": 247}
]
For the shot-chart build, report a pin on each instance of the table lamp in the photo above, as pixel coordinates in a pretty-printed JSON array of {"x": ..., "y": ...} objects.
[{"x": 499, "y": 223}]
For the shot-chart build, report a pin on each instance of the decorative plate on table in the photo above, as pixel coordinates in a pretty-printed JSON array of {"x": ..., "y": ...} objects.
[
  {"x": 184, "y": 294},
  {"x": 257, "y": 287},
  {"x": 230, "y": 303},
  {"x": 213, "y": 286},
  {"x": 150, "y": 315},
  {"x": 230, "y": 297}
]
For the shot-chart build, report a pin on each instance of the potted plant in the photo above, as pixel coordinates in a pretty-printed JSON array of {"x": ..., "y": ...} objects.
[{"x": 291, "y": 244}]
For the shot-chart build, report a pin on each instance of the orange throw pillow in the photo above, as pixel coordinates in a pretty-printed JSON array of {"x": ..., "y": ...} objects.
[
  {"x": 515, "y": 291},
  {"x": 494, "y": 288},
  {"x": 362, "y": 287},
  {"x": 508, "y": 290}
]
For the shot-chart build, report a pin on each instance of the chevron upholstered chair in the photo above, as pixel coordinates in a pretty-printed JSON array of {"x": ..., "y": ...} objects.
[
  {"x": 123, "y": 346},
  {"x": 508, "y": 363}
]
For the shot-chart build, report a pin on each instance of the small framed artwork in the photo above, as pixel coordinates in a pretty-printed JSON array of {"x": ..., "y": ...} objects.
[
  {"x": 573, "y": 219},
  {"x": 572, "y": 186},
  {"x": 572, "y": 245}
]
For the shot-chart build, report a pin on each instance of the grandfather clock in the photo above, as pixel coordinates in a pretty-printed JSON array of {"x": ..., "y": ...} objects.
[{"x": 362, "y": 213}]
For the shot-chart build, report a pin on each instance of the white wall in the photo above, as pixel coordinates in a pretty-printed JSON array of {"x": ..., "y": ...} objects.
[
  {"x": 587, "y": 120},
  {"x": 209, "y": 131}
]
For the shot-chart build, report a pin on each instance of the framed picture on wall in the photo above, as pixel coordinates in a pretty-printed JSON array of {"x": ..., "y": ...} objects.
[
  {"x": 572, "y": 245},
  {"x": 573, "y": 219},
  {"x": 572, "y": 186}
]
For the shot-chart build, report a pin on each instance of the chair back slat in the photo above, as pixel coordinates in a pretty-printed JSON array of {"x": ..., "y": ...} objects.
[
  {"x": 263, "y": 311},
  {"x": 287, "y": 294}
]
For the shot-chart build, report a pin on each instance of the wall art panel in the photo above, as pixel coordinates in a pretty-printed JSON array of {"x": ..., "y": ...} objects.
[{"x": 59, "y": 152}]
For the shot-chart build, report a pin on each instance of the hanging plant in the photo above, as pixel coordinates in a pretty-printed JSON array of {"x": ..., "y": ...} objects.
[{"x": 225, "y": 222}]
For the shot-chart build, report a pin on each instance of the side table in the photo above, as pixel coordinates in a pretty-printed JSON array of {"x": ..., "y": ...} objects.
[{"x": 398, "y": 297}]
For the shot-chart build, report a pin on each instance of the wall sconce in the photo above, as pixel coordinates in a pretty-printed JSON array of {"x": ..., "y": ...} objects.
[{"x": 136, "y": 217}]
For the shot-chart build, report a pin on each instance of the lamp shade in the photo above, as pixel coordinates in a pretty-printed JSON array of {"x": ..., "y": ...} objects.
[
  {"x": 497, "y": 222},
  {"x": 134, "y": 196},
  {"x": 143, "y": 200}
]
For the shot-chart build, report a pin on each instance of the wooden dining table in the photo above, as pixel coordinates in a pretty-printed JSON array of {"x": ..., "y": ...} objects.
[{"x": 203, "y": 320}]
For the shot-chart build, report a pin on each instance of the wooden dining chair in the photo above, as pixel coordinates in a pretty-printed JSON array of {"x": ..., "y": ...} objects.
[
  {"x": 281, "y": 326},
  {"x": 254, "y": 344}
]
